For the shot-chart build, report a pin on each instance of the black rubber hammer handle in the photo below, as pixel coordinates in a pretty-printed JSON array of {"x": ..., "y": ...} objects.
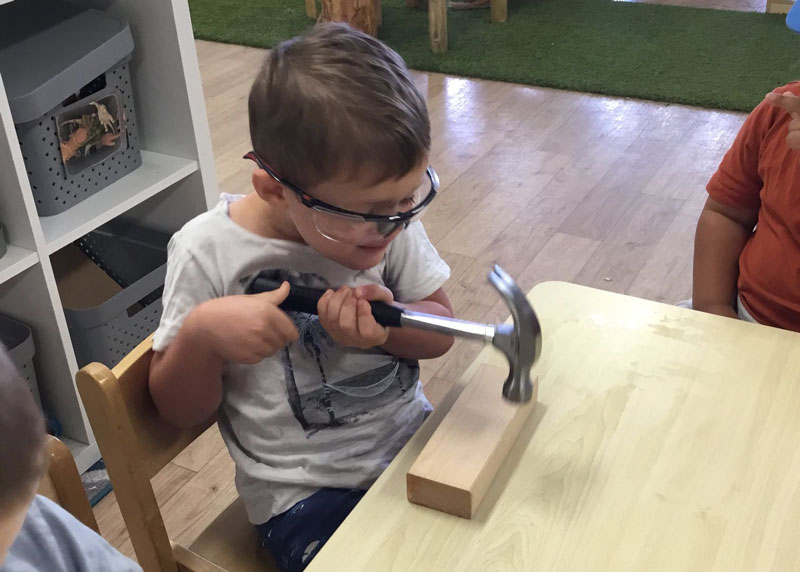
[{"x": 304, "y": 299}]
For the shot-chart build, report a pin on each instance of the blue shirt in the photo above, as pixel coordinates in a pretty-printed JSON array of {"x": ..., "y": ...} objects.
[{"x": 52, "y": 540}]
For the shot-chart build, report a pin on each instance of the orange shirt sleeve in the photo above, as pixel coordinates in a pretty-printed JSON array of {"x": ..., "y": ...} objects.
[{"x": 737, "y": 182}]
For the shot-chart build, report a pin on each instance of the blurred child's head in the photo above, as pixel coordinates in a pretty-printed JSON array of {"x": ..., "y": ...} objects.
[
  {"x": 335, "y": 113},
  {"x": 22, "y": 457}
]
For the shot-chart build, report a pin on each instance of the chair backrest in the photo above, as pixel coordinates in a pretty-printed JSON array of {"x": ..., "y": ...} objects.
[
  {"x": 135, "y": 443},
  {"x": 62, "y": 483}
]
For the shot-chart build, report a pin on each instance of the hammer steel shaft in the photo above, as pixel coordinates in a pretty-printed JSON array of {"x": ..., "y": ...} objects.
[{"x": 461, "y": 328}]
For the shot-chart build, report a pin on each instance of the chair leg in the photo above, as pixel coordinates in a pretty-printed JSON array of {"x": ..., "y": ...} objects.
[
  {"x": 499, "y": 10},
  {"x": 437, "y": 20},
  {"x": 311, "y": 8}
]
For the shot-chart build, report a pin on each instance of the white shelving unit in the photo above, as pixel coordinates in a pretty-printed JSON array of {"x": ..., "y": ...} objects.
[{"x": 175, "y": 182}]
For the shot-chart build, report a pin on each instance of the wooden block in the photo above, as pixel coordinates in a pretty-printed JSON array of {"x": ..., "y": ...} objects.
[
  {"x": 437, "y": 24},
  {"x": 456, "y": 467}
]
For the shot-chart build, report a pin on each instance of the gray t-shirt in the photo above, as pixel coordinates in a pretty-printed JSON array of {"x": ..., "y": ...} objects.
[
  {"x": 51, "y": 539},
  {"x": 316, "y": 414}
]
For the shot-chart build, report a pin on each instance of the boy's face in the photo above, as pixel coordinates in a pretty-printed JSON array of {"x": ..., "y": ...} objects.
[{"x": 361, "y": 245}]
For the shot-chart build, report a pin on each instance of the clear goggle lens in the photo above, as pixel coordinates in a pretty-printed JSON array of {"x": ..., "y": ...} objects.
[{"x": 355, "y": 230}]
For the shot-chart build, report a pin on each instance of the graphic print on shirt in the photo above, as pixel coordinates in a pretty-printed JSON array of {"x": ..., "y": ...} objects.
[{"x": 330, "y": 385}]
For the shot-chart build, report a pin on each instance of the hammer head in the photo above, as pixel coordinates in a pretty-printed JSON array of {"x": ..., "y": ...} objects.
[{"x": 522, "y": 342}]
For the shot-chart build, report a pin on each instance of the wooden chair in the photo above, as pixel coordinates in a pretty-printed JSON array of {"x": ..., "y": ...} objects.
[
  {"x": 136, "y": 444},
  {"x": 62, "y": 483}
]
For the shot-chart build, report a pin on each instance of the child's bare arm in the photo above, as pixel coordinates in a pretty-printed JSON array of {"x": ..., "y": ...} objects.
[
  {"x": 722, "y": 233},
  {"x": 186, "y": 379},
  {"x": 418, "y": 344}
]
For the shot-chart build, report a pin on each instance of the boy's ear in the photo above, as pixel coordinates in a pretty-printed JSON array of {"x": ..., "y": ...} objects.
[{"x": 267, "y": 188}]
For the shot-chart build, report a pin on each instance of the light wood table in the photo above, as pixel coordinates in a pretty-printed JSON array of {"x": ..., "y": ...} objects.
[{"x": 664, "y": 440}]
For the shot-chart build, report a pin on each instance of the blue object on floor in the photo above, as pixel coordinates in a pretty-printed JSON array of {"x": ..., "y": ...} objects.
[
  {"x": 54, "y": 426},
  {"x": 96, "y": 482},
  {"x": 793, "y": 18}
]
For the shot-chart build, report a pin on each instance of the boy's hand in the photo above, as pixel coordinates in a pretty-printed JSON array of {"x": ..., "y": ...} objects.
[
  {"x": 791, "y": 103},
  {"x": 347, "y": 316},
  {"x": 246, "y": 328}
]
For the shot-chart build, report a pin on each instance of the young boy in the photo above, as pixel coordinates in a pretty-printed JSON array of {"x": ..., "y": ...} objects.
[
  {"x": 35, "y": 533},
  {"x": 312, "y": 409},
  {"x": 739, "y": 271}
]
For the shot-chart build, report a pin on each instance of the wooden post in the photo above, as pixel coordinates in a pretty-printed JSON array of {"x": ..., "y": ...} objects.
[
  {"x": 499, "y": 9},
  {"x": 437, "y": 20},
  {"x": 362, "y": 14},
  {"x": 456, "y": 467},
  {"x": 779, "y": 6},
  {"x": 311, "y": 8}
]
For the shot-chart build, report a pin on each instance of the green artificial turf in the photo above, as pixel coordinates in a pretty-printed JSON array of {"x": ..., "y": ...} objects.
[{"x": 709, "y": 58}]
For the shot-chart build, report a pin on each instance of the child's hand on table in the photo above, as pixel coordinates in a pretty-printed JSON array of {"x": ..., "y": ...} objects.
[
  {"x": 791, "y": 103},
  {"x": 247, "y": 328},
  {"x": 347, "y": 316}
]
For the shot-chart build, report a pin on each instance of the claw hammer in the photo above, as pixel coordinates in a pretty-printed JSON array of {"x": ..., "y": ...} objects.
[{"x": 520, "y": 343}]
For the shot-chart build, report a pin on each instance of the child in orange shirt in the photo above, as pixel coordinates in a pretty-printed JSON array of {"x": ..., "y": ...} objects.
[{"x": 747, "y": 248}]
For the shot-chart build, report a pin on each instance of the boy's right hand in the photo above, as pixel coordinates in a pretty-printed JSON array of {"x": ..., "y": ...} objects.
[{"x": 246, "y": 328}]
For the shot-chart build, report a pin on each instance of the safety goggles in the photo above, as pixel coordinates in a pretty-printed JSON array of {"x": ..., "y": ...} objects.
[{"x": 342, "y": 225}]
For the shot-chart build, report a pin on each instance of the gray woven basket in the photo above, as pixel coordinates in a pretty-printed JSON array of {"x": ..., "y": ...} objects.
[
  {"x": 136, "y": 258},
  {"x": 54, "y": 187},
  {"x": 18, "y": 340},
  {"x": 57, "y": 62}
]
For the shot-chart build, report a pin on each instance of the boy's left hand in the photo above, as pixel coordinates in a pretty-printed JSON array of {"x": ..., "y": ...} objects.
[{"x": 347, "y": 316}]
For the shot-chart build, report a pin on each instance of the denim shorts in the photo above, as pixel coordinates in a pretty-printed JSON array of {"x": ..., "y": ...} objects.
[{"x": 295, "y": 536}]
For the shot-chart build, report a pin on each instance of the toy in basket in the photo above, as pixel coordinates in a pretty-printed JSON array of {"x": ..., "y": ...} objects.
[{"x": 90, "y": 134}]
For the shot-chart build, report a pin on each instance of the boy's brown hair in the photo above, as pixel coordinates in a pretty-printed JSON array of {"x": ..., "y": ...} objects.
[
  {"x": 22, "y": 437},
  {"x": 336, "y": 102}
]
